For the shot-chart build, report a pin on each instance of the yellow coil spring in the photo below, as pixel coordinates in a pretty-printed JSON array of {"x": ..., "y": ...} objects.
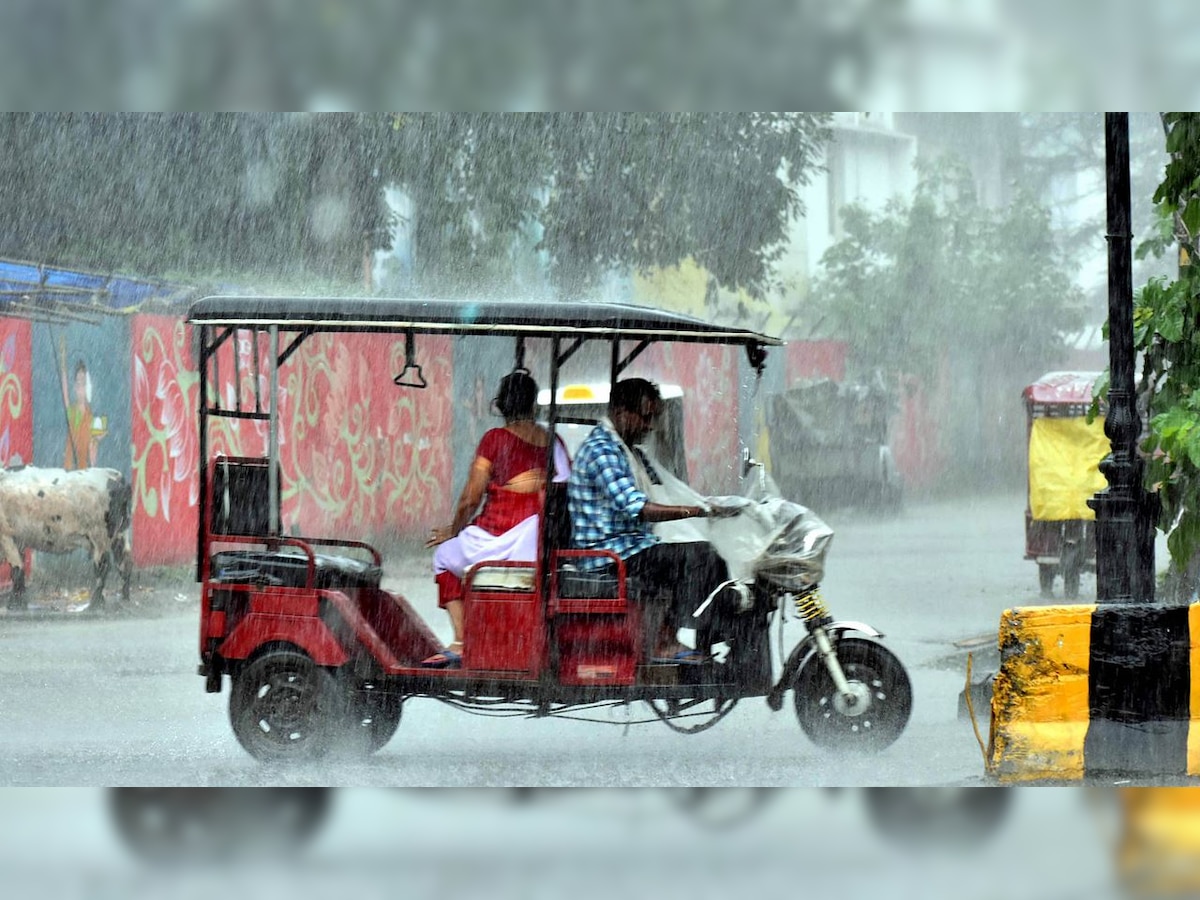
[{"x": 811, "y": 607}]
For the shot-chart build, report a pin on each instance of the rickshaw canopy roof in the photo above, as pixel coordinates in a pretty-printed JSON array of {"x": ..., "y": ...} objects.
[
  {"x": 463, "y": 317},
  {"x": 1062, "y": 388}
]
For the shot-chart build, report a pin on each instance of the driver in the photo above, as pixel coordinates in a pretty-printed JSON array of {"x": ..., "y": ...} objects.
[{"x": 610, "y": 511}]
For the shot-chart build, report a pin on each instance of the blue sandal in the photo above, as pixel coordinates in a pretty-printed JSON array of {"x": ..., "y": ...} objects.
[{"x": 445, "y": 659}]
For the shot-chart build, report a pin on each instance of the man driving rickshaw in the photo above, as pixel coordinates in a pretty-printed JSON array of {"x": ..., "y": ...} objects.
[{"x": 609, "y": 494}]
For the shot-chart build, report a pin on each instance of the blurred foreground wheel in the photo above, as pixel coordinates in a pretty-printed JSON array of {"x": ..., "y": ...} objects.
[
  {"x": 938, "y": 818},
  {"x": 217, "y": 825},
  {"x": 721, "y": 808},
  {"x": 285, "y": 708},
  {"x": 882, "y": 703}
]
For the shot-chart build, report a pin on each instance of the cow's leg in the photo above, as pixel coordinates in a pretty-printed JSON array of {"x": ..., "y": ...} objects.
[
  {"x": 122, "y": 558},
  {"x": 12, "y": 555},
  {"x": 100, "y": 566}
]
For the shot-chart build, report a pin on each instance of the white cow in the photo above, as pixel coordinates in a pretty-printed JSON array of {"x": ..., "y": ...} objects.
[{"x": 59, "y": 511}]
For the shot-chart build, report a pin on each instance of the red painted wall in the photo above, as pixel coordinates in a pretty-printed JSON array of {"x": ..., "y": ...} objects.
[
  {"x": 16, "y": 404},
  {"x": 710, "y": 408},
  {"x": 360, "y": 458},
  {"x": 814, "y": 359},
  {"x": 16, "y": 394}
]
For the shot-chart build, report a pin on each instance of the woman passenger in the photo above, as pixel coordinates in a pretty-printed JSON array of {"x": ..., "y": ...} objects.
[{"x": 508, "y": 475}]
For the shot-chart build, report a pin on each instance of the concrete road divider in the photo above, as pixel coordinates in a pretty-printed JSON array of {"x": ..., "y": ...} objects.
[{"x": 1087, "y": 691}]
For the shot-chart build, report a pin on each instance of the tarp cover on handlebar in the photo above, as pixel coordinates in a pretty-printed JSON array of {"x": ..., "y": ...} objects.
[{"x": 770, "y": 537}]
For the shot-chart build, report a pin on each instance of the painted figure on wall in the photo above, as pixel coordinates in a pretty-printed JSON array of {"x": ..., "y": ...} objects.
[{"x": 84, "y": 431}]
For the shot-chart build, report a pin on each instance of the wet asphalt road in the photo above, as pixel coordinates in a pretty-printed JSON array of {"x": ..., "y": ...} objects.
[{"x": 116, "y": 701}]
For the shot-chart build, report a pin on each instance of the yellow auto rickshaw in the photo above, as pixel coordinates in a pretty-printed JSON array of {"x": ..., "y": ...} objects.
[{"x": 1065, "y": 451}]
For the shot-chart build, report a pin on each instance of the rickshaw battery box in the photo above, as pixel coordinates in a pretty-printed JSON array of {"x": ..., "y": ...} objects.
[
  {"x": 502, "y": 631},
  {"x": 596, "y": 649},
  {"x": 283, "y": 568}
]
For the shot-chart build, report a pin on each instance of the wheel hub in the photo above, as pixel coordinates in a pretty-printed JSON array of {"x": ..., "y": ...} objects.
[{"x": 853, "y": 703}]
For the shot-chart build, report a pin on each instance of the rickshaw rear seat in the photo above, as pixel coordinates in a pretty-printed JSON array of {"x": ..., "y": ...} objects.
[
  {"x": 518, "y": 579},
  {"x": 595, "y": 584},
  {"x": 289, "y": 568}
]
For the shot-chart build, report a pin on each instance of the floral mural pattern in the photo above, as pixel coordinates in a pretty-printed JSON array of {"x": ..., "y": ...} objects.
[
  {"x": 359, "y": 457},
  {"x": 16, "y": 426}
]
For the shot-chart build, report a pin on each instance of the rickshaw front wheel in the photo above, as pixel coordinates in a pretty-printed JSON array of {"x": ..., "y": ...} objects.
[{"x": 872, "y": 723}]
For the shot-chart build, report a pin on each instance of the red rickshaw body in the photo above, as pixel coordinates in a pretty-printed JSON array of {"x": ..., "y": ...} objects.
[
  {"x": 319, "y": 653},
  {"x": 540, "y": 630}
]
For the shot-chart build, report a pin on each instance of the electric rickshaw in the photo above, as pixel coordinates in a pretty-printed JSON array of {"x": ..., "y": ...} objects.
[
  {"x": 318, "y": 657},
  {"x": 1064, "y": 453}
]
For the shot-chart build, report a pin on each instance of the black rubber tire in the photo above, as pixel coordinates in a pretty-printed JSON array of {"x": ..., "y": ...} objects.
[
  {"x": 285, "y": 708},
  {"x": 879, "y": 724},
  {"x": 961, "y": 818},
  {"x": 1046, "y": 575},
  {"x": 201, "y": 826},
  {"x": 376, "y": 716}
]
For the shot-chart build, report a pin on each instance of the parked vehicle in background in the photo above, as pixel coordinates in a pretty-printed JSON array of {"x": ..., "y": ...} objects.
[
  {"x": 829, "y": 444},
  {"x": 1064, "y": 453}
]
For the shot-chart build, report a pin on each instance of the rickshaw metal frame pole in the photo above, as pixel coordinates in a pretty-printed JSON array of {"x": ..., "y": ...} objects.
[
  {"x": 620, "y": 365},
  {"x": 203, "y": 450},
  {"x": 273, "y": 436},
  {"x": 1125, "y": 511}
]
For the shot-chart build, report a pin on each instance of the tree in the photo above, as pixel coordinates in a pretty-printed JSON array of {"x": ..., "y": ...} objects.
[
  {"x": 605, "y": 192},
  {"x": 1166, "y": 324},
  {"x": 906, "y": 281},
  {"x": 947, "y": 283}
]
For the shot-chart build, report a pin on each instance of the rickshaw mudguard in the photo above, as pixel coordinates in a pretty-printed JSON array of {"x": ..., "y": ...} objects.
[
  {"x": 307, "y": 633},
  {"x": 801, "y": 652}
]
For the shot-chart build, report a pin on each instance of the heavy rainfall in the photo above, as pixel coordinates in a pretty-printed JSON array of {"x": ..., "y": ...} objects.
[{"x": 921, "y": 271}]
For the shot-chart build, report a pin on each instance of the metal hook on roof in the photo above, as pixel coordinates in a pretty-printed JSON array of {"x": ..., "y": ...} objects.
[{"x": 411, "y": 376}]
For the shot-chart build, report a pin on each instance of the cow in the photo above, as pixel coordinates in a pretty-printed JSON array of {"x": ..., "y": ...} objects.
[{"x": 59, "y": 511}]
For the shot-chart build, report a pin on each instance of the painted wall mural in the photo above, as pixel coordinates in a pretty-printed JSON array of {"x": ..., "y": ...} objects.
[
  {"x": 165, "y": 445},
  {"x": 359, "y": 456},
  {"x": 16, "y": 413}
]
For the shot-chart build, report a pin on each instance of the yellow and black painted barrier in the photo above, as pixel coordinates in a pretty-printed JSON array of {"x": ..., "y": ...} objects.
[{"x": 1096, "y": 691}]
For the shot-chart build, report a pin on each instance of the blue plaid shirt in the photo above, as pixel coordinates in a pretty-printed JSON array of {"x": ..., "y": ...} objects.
[{"x": 605, "y": 501}]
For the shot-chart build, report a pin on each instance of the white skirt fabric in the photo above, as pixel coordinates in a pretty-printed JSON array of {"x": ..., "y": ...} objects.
[{"x": 473, "y": 545}]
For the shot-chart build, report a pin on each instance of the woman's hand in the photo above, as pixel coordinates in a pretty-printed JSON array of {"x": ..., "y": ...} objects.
[{"x": 439, "y": 535}]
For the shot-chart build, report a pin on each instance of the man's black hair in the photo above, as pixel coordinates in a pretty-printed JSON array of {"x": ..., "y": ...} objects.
[
  {"x": 517, "y": 395},
  {"x": 631, "y": 392}
]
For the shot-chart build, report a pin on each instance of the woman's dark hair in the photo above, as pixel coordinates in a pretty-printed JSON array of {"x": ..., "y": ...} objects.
[{"x": 517, "y": 395}]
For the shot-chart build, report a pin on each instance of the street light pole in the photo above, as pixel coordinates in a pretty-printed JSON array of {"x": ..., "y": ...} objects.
[{"x": 1125, "y": 512}]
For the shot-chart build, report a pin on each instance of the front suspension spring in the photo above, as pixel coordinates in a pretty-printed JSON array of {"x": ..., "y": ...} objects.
[{"x": 811, "y": 607}]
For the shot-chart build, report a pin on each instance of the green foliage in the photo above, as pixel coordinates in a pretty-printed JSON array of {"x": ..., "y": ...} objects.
[
  {"x": 497, "y": 198},
  {"x": 1165, "y": 316},
  {"x": 904, "y": 284},
  {"x": 601, "y": 192}
]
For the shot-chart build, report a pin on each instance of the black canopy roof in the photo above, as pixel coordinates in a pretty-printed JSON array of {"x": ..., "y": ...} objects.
[{"x": 499, "y": 317}]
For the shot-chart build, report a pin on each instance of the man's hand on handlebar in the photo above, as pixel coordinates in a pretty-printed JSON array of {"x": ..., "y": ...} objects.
[{"x": 723, "y": 512}]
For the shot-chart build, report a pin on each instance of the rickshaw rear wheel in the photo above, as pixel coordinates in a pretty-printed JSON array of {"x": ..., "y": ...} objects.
[
  {"x": 284, "y": 707},
  {"x": 870, "y": 726},
  {"x": 376, "y": 717}
]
